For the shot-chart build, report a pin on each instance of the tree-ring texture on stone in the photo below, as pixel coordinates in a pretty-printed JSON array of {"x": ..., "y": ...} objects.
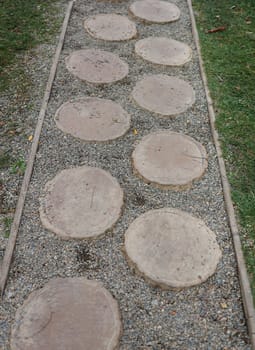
[
  {"x": 93, "y": 119},
  {"x": 96, "y": 66},
  {"x": 170, "y": 159},
  {"x": 163, "y": 94},
  {"x": 164, "y": 51},
  {"x": 67, "y": 313},
  {"x": 171, "y": 248},
  {"x": 81, "y": 203},
  {"x": 155, "y": 11},
  {"x": 110, "y": 27}
]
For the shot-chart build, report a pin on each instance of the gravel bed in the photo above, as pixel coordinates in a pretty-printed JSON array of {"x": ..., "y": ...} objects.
[{"x": 208, "y": 316}]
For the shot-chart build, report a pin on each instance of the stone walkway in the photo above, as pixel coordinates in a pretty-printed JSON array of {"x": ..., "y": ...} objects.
[{"x": 124, "y": 242}]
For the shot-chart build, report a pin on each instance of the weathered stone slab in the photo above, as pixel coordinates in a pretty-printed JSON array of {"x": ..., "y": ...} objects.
[
  {"x": 110, "y": 27},
  {"x": 163, "y": 94},
  {"x": 81, "y": 203},
  {"x": 96, "y": 66},
  {"x": 93, "y": 119},
  {"x": 155, "y": 11},
  {"x": 171, "y": 248},
  {"x": 160, "y": 50},
  {"x": 67, "y": 313},
  {"x": 170, "y": 159}
]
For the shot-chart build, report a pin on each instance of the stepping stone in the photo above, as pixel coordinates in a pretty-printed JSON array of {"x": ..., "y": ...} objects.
[
  {"x": 163, "y": 94},
  {"x": 171, "y": 248},
  {"x": 81, "y": 203},
  {"x": 164, "y": 51},
  {"x": 96, "y": 66},
  {"x": 93, "y": 119},
  {"x": 170, "y": 159},
  {"x": 67, "y": 313},
  {"x": 110, "y": 27},
  {"x": 155, "y": 11}
]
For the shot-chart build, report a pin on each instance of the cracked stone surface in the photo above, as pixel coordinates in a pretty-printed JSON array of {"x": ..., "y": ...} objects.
[
  {"x": 171, "y": 248},
  {"x": 67, "y": 313},
  {"x": 81, "y": 202},
  {"x": 170, "y": 159},
  {"x": 163, "y": 94},
  {"x": 96, "y": 66},
  {"x": 93, "y": 119},
  {"x": 165, "y": 51},
  {"x": 112, "y": 27},
  {"x": 155, "y": 11}
]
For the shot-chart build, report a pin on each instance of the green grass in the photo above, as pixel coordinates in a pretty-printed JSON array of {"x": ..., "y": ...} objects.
[
  {"x": 19, "y": 166},
  {"x": 229, "y": 58},
  {"x": 23, "y": 25},
  {"x": 7, "y": 222},
  {"x": 5, "y": 160}
]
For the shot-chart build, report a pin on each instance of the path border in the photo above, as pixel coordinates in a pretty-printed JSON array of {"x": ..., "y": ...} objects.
[
  {"x": 5, "y": 267},
  {"x": 242, "y": 271}
]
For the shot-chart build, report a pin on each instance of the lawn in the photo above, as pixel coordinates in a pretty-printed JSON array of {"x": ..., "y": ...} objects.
[
  {"x": 229, "y": 57},
  {"x": 23, "y": 25}
]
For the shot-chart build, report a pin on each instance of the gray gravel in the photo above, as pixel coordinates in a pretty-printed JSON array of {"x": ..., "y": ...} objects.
[{"x": 209, "y": 316}]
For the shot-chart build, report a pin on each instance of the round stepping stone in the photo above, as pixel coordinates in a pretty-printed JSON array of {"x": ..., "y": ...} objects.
[
  {"x": 67, "y": 313},
  {"x": 171, "y": 248},
  {"x": 110, "y": 27},
  {"x": 164, "y": 51},
  {"x": 163, "y": 94},
  {"x": 155, "y": 11},
  {"x": 81, "y": 203},
  {"x": 96, "y": 66},
  {"x": 170, "y": 159},
  {"x": 93, "y": 119}
]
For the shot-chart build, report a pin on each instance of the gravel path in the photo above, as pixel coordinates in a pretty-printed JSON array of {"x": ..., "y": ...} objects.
[{"x": 207, "y": 316}]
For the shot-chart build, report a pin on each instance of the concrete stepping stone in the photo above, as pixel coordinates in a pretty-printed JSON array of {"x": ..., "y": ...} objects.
[
  {"x": 110, "y": 27},
  {"x": 163, "y": 94},
  {"x": 163, "y": 51},
  {"x": 96, "y": 66},
  {"x": 171, "y": 248},
  {"x": 67, "y": 313},
  {"x": 170, "y": 159},
  {"x": 155, "y": 11},
  {"x": 93, "y": 119},
  {"x": 81, "y": 203}
]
